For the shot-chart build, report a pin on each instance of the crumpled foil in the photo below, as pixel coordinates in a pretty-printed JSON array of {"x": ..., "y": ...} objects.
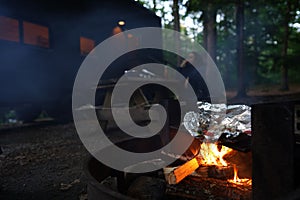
[{"x": 213, "y": 120}]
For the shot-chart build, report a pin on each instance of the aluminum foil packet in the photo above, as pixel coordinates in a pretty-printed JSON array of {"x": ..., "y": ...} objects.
[{"x": 213, "y": 120}]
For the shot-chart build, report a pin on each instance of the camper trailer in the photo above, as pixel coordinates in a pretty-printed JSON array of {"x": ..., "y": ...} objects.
[{"x": 43, "y": 44}]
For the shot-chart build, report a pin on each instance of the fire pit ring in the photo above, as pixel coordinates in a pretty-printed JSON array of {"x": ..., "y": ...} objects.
[{"x": 97, "y": 172}]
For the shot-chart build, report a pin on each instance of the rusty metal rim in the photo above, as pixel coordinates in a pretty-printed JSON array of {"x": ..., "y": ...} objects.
[{"x": 92, "y": 180}]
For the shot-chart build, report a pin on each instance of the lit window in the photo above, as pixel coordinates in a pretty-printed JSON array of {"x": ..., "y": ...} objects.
[
  {"x": 35, "y": 34},
  {"x": 117, "y": 30},
  {"x": 86, "y": 45},
  {"x": 9, "y": 29}
]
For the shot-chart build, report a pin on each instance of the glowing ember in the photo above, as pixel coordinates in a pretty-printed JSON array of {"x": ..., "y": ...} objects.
[
  {"x": 237, "y": 180},
  {"x": 212, "y": 155}
]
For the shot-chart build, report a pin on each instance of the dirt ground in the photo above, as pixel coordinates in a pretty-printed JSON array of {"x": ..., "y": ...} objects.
[{"x": 42, "y": 162}]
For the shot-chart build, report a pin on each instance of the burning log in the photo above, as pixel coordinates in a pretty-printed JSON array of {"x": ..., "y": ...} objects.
[
  {"x": 209, "y": 163},
  {"x": 213, "y": 171},
  {"x": 175, "y": 175}
]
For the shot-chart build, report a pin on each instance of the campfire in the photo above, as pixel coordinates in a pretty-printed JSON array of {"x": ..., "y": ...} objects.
[
  {"x": 213, "y": 155},
  {"x": 207, "y": 170},
  {"x": 213, "y": 170},
  {"x": 217, "y": 170}
]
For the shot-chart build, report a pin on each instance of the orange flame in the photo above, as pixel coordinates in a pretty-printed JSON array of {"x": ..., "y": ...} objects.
[
  {"x": 237, "y": 180},
  {"x": 235, "y": 174},
  {"x": 212, "y": 155}
]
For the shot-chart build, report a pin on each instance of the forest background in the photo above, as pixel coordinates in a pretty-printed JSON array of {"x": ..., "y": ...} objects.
[{"x": 255, "y": 44}]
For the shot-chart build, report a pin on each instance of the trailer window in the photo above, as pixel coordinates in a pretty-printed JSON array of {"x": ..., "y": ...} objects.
[
  {"x": 86, "y": 45},
  {"x": 36, "y": 35},
  {"x": 9, "y": 29}
]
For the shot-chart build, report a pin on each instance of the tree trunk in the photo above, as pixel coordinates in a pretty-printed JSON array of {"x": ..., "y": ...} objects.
[
  {"x": 241, "y": 92},
  {"x": 176, "y": 15},
  {"x": 154, "y": 5},
  {"x": 284, "y": 68},
  {"x": 176, "y": 27},
  {"x": 210, "y": 31}
]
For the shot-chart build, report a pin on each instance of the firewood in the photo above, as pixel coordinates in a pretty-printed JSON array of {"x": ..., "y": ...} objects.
[
  {"x": 212, "y": 171},
  {"x": 175, "y": 175}
]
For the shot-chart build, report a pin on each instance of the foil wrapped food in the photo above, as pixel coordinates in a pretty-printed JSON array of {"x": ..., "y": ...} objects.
[{"x": 213, "y": 120}]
